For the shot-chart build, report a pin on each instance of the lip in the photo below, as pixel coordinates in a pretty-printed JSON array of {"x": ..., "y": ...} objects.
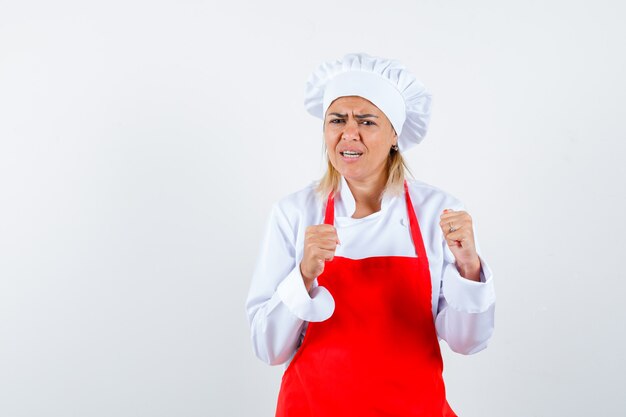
[
  {"x": 350, "y": 150},
  {"x": 348, "y": 159}
]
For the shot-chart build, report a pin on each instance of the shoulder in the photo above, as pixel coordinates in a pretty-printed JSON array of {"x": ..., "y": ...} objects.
[
  {"x": 424, "y": 194},
  {"x": 303, "y": 199},
  {"x": 302, "y": 205}
]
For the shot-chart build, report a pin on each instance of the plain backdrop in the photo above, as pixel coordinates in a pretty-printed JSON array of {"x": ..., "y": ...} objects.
[{"x": 142, "y": 144}]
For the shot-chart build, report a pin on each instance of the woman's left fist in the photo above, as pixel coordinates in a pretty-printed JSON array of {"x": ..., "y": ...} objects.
[{"x": 458, "y": 231}]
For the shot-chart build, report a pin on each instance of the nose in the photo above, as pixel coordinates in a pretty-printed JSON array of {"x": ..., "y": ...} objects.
[{"x": 350, "y": 130}]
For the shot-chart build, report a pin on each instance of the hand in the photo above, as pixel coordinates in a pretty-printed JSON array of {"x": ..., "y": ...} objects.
[
  {"x": 320, "y": 242},
  {"x": 458, "y": 231}
]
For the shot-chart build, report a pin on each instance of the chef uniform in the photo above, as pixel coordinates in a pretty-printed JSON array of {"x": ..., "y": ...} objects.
[{"x": 364, "y": 340}]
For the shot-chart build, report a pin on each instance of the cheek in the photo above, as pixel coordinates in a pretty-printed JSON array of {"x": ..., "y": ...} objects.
[
  {"x": 385, "y": 143},
  {"x": 377, "y": 146},
  {"x": 331, "y": 142}
]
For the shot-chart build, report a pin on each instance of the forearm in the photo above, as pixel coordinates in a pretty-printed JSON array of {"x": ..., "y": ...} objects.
[
  {"x": 465, "y": 318},
  {"x": 465, "y": 333},
  {"x": 277, "y": 318},
  {"x": 275, "y": 332}
]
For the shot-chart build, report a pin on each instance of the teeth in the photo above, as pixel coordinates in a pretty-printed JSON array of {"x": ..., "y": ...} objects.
[{"x": 351, "y": 154}]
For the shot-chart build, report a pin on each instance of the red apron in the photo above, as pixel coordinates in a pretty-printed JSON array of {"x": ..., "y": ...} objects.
[{"x": 378, "y": 354}]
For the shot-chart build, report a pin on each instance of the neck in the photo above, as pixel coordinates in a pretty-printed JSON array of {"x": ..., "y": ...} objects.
[{"x": 367, "y": 195}]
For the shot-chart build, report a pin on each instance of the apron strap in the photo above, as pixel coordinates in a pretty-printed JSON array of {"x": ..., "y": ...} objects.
[
  {"x": 329, "y": 217},
  {"x": 416, "y": 235}
]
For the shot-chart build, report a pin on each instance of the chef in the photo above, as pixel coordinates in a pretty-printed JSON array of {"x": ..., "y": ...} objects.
[{"x": 363, "y": 272}]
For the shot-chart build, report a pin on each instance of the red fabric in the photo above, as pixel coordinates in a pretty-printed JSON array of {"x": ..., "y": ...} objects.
[{"x": 378, "y": 354}]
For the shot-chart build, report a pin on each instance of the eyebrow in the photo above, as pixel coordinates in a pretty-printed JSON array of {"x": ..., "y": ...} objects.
[{"x": 358, "y": 116}]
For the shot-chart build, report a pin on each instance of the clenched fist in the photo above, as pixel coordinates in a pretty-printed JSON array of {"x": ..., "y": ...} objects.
[
  {"x": 320, "y": 242},
  {"x": 458, "y": 231}
]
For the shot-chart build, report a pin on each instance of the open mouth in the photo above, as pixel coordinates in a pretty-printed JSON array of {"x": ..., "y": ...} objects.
[{"x": 351, "y": 154}]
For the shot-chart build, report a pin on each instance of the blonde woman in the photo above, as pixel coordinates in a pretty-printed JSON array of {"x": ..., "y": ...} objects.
[{"x": 362, "y": 273}]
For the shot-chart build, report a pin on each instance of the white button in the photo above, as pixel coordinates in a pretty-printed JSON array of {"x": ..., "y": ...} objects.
[{"x": 404, "y": 222}]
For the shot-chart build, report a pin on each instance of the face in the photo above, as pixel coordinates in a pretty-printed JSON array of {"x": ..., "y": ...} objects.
[{"x": 358, "y": 138}]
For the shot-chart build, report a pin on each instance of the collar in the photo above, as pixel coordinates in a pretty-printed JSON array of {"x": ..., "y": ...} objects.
[{"x": 345, "y": 205}]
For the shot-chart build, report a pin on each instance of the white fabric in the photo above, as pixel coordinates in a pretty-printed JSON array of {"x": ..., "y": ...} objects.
[
  {"x": 380, "y": 91},
  {"x": 396, "y": 92},
  {"x": 279, "y": 306}
]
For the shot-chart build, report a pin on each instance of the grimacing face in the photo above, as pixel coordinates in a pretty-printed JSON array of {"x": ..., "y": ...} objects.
[{"x": 358, "y": 137}]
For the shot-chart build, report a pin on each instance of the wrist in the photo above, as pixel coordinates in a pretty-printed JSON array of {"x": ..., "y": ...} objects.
[
  {"x": 470, "y": 270},
  {"x": 308, "y": 282}
]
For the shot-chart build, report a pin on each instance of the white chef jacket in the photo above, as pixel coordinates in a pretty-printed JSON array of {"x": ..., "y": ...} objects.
[{"x": 279, "y": 306}]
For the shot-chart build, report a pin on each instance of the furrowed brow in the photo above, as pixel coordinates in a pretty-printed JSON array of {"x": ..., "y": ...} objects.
[{"x": 357, "y": 116}]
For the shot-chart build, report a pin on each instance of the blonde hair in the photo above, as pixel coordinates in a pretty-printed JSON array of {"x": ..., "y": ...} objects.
[{"x": 396, "y": 173}]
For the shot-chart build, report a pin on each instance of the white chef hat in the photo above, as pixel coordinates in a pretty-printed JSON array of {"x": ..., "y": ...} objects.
[{"x": 386, "y": 83}]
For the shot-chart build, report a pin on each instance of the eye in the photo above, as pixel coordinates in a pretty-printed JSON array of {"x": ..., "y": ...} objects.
[
  {"x": 368, "y": 123},
  {"x": 335, "y": 121}
]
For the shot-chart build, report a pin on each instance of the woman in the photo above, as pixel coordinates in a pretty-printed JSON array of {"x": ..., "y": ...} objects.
[{"x": 351, "y": 291}]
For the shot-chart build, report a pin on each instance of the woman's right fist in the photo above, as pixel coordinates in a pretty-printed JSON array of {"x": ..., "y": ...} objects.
[{"x": 320, "y": 242}]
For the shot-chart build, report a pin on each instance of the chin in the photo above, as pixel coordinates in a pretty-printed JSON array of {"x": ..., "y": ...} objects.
[
  {"x": 351, "y": 176},
  {"x": 352, "y": 173},
  {"x": 347, "y": 173}
]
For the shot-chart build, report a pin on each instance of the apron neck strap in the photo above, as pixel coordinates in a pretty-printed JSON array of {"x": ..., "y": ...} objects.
[
  {"x": 416, "y": 234},
  {"x": 329, "y": 217}
]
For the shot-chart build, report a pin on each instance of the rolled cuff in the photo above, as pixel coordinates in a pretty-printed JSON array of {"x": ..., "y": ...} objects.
[
  {"x": 315, "y": 306},
  {"x": 466, "y": 295}
]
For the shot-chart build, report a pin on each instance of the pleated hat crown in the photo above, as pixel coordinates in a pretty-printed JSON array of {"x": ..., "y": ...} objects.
[{"x": 386, "y": 83}]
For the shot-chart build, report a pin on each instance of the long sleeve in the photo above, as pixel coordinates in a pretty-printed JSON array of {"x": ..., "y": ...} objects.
[
  {"x": 278, "y": 305},
  {"x": 465, "y": 318},
  {"x": 279, "y": 308}
]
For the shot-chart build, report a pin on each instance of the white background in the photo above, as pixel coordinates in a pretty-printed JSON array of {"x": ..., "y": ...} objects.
[{"x": 142, "y": 144}]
